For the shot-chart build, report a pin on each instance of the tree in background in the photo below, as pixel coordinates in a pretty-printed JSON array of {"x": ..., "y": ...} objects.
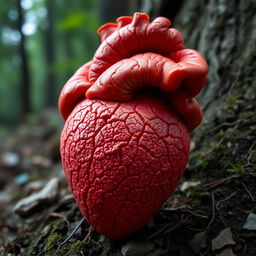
[
  {"x": 225, "y": 33},
  {"x": 25, "y": 83},
  {"x": 42, "y": 43}
]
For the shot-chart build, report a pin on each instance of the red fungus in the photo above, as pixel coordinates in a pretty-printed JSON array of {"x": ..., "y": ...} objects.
[{"x": 124, "y": 148}]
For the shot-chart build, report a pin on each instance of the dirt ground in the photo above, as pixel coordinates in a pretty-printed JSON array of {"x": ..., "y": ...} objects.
[{"x": 210, "y": 213}]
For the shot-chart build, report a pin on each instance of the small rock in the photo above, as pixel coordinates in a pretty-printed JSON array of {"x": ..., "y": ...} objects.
[
  {"x": 250, "y": 223},
  {"x": 137, "y": 248},
  {"x": 10, "y": 159},
  {"x": 22, "y": 179},
  {"x": 198, "y": 241},
  {"x": 4, "y": 196},
  {"x": 34, "y": 186},
  {"x": 222, "y": 239},
  {"x": 28, "y": 205}
]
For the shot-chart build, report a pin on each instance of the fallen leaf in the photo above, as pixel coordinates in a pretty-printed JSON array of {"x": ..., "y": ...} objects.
[
  {"x": 250, "y": 223},
  {"x": 188, "y": 184},
  {"x": 226, "y": 252},
  {"x": 28, "y": 205},
  {"x": 222, "y": 239},
  {"x": 198, "y": 241}
]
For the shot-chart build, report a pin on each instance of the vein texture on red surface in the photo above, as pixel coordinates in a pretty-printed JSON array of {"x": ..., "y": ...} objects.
[
  {"x": 123, "y": 160},
  {"x": 124, "y": 148}
]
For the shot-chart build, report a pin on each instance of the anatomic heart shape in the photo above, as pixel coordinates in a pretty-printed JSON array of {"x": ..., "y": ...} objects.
[{"x": 124, "y": 148}]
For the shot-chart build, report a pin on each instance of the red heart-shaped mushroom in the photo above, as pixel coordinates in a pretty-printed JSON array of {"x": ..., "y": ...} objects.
[{"x": 124, "y": 148}]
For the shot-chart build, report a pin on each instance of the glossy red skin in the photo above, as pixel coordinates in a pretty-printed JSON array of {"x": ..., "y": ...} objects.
[
  {"x": 124, "y": 151},
  {"x": 185, "y": 74},
  {"x": 123, "y": 160}
]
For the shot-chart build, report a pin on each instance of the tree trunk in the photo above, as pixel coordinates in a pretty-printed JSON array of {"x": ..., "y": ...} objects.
[
  {"x": 50, "y": 95},
  {"x": 25, "y": 86},
  {"x": 112, "y": 9},
  {"x": 225, "y": 33}
]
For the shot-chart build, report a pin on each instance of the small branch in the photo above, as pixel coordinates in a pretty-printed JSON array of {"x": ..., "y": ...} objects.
[
  {"x": 185, "y": 209},
  {"x": 213, "y": 147},
  {"x": 248, "y": 191},
  {"x": 219, "y": 182},
  {"x": 225, "y": 199},
  {"x": 73, "y": 232},
  {"x": 222, "y": 125},
  {"x": 250, "y": 152},
  {"x": 178, "y": 224},
  {"x": 213, "y": 212},
  {"x": 221, "y": 201},
  {"x": 88, "y": 234},
  {"x": 194, "y": 213}
]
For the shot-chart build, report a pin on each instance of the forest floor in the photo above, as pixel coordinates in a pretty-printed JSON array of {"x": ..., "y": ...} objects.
[{"x": 210, "y": 213}]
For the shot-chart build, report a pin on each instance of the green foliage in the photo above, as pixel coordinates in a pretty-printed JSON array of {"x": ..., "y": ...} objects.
[
  {"x": 193, "y": 192},
  {"x": 77, "y": 19},
  {"x": 52, "y": 242},
  {"x": 236, "y": 167},
  {"x": 72, "y": 21},
  {"x": 72, "y": 42}
]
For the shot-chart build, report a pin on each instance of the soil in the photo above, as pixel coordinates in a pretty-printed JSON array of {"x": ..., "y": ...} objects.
[{"x": 187, "y": 224}]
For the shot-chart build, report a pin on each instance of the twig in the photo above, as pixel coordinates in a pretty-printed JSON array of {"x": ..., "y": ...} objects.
[
  {"x": 194, "y": 213},
  {"x": 178, "y": 224},
  {"x": 225, "y": 199},
  {"x": 88, "y": 234},
  {"x": 213, "y": 147},
  {"x": 221, "y": 201},
  {"x": 235, "y": 80},
  {"x": 73, "y": 232},
  {"x": 219, "y": 182},
  {"x": 219, "y": 142},
  {"x": 213, "y": 212},
  {"x": 248, "y": 191},
  {"x": 221, "y": 125},
  {"x": 250, "y": 155},
  {"x": 185, "y": 209}
]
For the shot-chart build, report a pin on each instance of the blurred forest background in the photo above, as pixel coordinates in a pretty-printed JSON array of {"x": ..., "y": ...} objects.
[{"x": 42, "y": 42}]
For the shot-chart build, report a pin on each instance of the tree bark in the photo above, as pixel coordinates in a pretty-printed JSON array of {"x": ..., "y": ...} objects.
[{"x": 225, "y": 33}]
